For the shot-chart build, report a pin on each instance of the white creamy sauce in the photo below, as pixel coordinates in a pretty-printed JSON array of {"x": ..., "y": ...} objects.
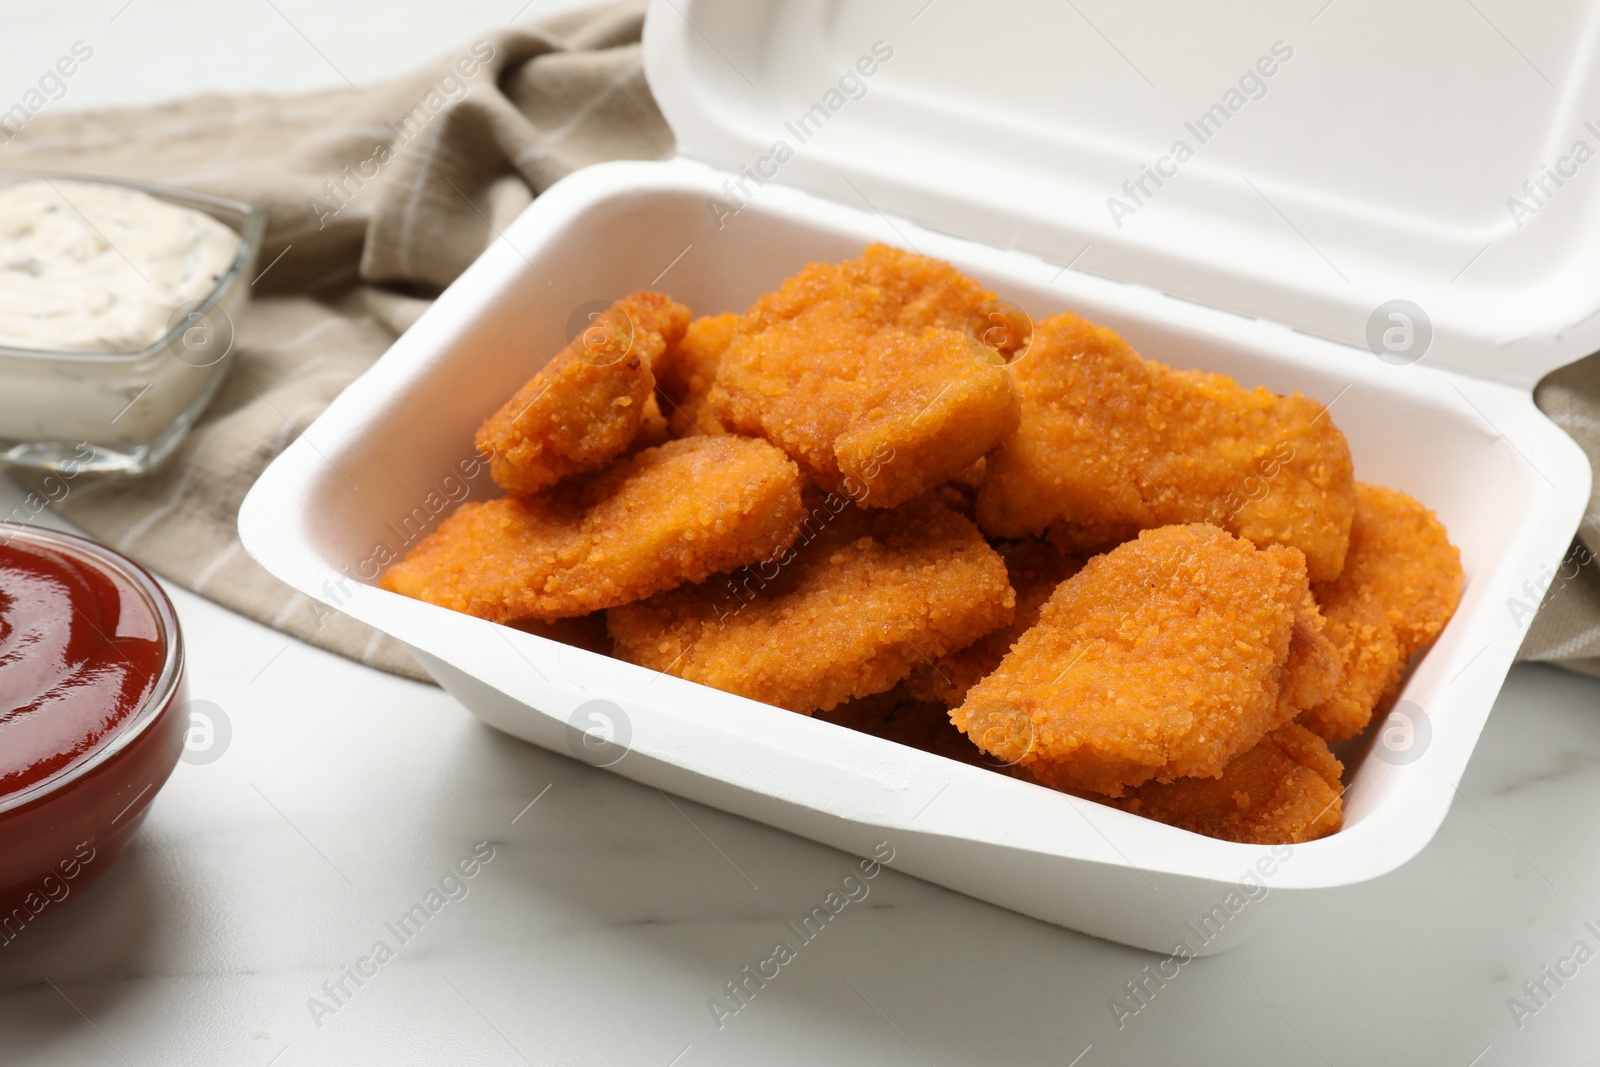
[
  {"x": 90, "y": 273},
  {"x": 86, "y": 267}
]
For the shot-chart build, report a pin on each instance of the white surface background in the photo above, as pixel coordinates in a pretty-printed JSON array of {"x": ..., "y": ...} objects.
[{"x": 610, "y": 913}]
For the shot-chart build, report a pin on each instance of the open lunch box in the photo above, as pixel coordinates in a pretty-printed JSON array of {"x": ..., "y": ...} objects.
[{"x": 1360, "y": 171}]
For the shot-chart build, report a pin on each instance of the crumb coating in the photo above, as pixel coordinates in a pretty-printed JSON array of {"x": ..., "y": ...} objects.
[
  {"x": 1161, "y": 659},
  {"x": 1401, "y": 583},
  {"x": 866, "y": 374},
  {"x": 606, "y": 539},
  {"x": 1034, "y": 568},
  {"x": 585, "y": 406},
  {"x": 686, "y": 372},
  {"x": 1114, "y": 443},
  {"x": 860, "y": 599},
  {"x": 1285, "y": 790}
]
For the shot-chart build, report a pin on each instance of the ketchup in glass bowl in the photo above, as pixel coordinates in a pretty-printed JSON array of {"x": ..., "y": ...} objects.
[{"x": 91, "y": 677}]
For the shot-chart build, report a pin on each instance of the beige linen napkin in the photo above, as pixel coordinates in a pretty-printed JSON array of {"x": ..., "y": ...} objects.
[
  {"x": 1566, "y": 630},
  {"x": 378, "y": 197}
]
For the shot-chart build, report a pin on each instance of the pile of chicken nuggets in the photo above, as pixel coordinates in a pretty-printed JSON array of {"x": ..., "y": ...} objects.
[{"x": 882, "y": 497}]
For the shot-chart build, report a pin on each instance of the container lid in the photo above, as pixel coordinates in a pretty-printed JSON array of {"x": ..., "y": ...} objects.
[{"x": 1423, "y": 180}]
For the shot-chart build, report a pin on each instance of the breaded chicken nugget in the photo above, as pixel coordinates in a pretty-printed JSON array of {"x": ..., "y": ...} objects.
[
  {"x": 1113, "y": 442},
  {"x": 1401, "y": 583},
  {"x": 865, "y": 373},
  {"x": 1312, "y": 670},
  {"x": 584, "y": 407},
  {"x": 1164, "y": 658},
  {"x": 687, "y": 370},
  {"x": 605, "y": 539},
  {"x": 1285, "y": 790},
  {"x": 846, "y": 614},
  {"x": 920, "y": 724},
  {"x": 1034, "y": 569}
]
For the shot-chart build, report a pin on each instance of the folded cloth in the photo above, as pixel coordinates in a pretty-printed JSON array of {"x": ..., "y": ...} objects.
[
  {"x": 1566, "y": 630},
  {"x": 376, "y": 198}
]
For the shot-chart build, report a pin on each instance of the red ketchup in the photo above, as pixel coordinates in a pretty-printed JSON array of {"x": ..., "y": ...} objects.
[
  {"x": 91, "y": 714},
  {"x": 80, "y": 651}
]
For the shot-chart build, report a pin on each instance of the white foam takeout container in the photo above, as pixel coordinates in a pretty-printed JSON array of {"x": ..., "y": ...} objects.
[{"x": 992, "y": 137}]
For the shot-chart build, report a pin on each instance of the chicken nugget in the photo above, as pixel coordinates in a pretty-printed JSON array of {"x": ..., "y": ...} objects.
[
  {"x": 1164, "y": 658},
  {"x": 605, "y": 539},
  {"x": 1111, "y": 442},
  {"x": 687, "y": 370},
  {"x": 1285, "y": 790},
  {"x": 1401, "y": 583},
  {"x": 584, "y": 407},
  {"x": 1312, "y": 670},
  {"x": 859, "y": 599},
  {"x": 1034, "y": 569},
  {"x": 896, "y": 716},
  {"x": 866, "y": 374}
]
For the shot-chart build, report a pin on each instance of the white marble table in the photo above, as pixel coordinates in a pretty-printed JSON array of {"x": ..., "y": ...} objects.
[{"x": 609, "y": 913}]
